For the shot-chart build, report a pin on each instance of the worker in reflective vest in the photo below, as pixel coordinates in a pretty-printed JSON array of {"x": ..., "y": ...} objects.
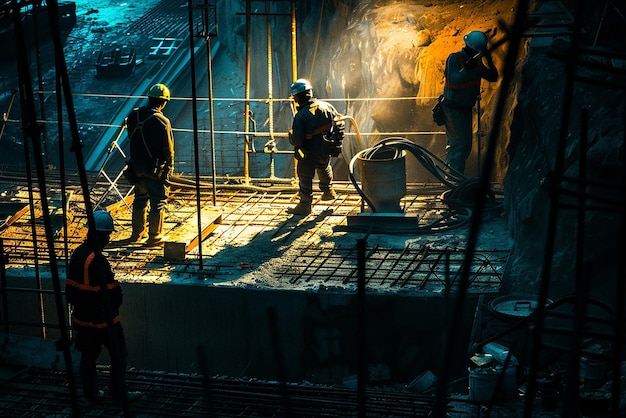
[
  {"x": 313, "y": 120},
  {"x": 463, "y": 73},
  {"x": 95, "y": 297}
]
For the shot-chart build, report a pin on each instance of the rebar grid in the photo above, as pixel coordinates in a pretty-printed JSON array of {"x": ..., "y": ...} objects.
[
  {"x": 41, "y": 392},
  {"x": 253, "y": 216},
  {"x": 423, "y": 268}
]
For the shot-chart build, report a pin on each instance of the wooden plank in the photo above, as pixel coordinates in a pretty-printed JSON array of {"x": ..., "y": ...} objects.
[
  {"x": 11, "y": 212},
  {"x": 185, "y": 238},
  {"x": 128, "y": 201}
]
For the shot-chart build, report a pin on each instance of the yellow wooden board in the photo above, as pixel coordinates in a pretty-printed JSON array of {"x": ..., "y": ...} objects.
[{"x": 185, "y": 237}]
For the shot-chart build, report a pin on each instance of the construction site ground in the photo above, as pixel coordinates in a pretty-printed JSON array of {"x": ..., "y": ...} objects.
[{"x": 256, "y": 243}]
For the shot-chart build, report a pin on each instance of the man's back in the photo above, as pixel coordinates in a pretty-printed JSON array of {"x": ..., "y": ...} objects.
[{"x": 148, "y": 130}]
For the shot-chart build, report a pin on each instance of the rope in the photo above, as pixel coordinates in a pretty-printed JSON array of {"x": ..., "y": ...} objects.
[
  {"x": 249, "y": 133},
  {"x": 235, "y": 99}
]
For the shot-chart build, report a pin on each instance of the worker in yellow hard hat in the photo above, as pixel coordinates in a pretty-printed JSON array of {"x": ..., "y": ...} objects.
[{"x": 150, "y": 165}]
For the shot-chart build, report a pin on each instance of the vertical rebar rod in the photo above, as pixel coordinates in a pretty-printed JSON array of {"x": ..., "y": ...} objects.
[
  {"x": 280, "y": 362},
  {"x": 3, "y": 283},
  {"x": 246, "y": 113},
  {"x": 361, "y": 329},
  {"x": 553, "y": 210},
  {"x": 270, "y": 88},
  {"x": 194, "y": 118},
  {"x": 620, "y": 294},
  {"x": 515, "y": 37},
  {"x": 205, "y": 18},
  {"x": 294, "y": 65},
  {"x": 32, "y": 132},
  {"x": 61, "y": 142},
  {"x": 114, "y": 350},
  {"x": 571, "y": 403},
  {"x": 294, "y": 50}
]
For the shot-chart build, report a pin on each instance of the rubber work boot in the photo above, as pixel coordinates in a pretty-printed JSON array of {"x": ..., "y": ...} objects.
[
  {"x": 329, "y": 194},
  {"x": 155, "y": 226},
  {"x": 302, "y": 208},
  {"x": 138, "y": 224}
]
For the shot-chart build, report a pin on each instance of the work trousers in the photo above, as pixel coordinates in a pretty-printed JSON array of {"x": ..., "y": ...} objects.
[
  {"x": 154, "y": 191},
  {"x": 306, "y": 171},
  {"x": 459, "y": 135},
  {"x": 89, "y": 341}
]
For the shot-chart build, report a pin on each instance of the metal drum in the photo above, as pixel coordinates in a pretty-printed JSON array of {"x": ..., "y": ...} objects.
[{"x": 383, "y": 178}]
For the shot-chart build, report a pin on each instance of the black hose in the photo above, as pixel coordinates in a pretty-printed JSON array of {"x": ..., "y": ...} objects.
[{"x": 460, "y": 195}]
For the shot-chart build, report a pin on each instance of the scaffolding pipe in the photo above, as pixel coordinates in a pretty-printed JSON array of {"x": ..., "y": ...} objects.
[
  {"x": 205, "y": 21},
  {"x": 294, "y": 66},
  {"x": 270, "y": 146}
]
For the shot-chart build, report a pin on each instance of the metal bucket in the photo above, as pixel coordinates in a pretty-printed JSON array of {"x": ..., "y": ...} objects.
[
  {"x": 493, "y": 383},
  {"x": 383, "y": 178},
  {"x": 504, "y": 313}
]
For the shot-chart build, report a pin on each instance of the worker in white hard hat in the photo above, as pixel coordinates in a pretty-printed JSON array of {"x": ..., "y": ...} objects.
[
  {"x": 311, "y": 124},
  {"x": 463, "y": 73},
  {"x": 151, "y": 164},
  {"x": 95, "y": 298}
]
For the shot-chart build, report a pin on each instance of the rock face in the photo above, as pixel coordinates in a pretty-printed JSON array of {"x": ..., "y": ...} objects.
[
  {"x": 535, "y": 149},
  {"x": 380, "y": 62}
]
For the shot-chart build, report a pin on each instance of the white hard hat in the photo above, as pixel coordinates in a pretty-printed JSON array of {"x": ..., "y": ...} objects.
[
  {"x": 300, "y": 85},
  {"x": 103, "y": 221},
  {"x": 476, "y": 40}
]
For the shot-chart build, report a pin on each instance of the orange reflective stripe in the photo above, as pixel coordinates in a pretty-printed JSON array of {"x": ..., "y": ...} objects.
[
  {"x": 88, "y": 261},
  {"x": 472, "y": 83},
  {"x": 86, "y": 285},
  {"x": 99, "y": 325},
  {"x": 81, "y": 286},
  {"x": 319, "y": 131},
  {"x": 461, "y": 61}
]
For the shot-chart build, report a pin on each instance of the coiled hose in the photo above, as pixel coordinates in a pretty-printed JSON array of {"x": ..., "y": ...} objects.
[{"x": 459, "y": 197}]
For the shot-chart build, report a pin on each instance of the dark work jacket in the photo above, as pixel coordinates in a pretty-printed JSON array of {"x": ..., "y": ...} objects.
[
  {"x": 86, "y": 269},
  {"x": 151, "y": 139},
  {"x": 462, "y": 84},
  {"x": 312, "y": 120}
]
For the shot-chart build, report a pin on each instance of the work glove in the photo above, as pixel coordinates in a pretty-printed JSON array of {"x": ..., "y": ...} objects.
[{"x": 290, "y": 134}]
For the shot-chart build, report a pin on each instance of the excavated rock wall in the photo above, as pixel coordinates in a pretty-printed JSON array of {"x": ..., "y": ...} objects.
[
  {"x": 533, "y": 154},
  {"x": 381, "y": 62}
]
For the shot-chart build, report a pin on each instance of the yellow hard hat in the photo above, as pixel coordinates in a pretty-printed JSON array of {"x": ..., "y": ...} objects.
[{"x": 159, "y": 91}]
